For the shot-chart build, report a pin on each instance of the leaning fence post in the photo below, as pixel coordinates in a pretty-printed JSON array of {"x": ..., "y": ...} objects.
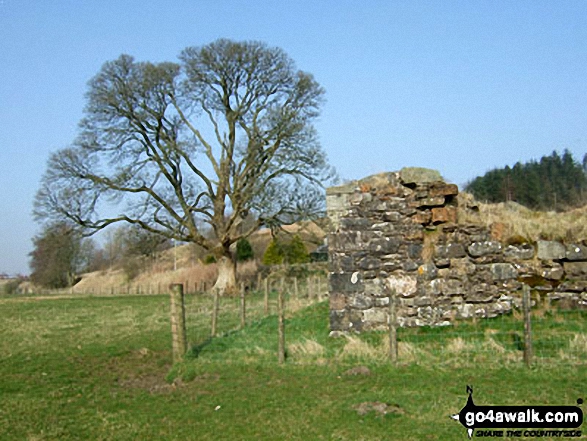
[
  {"x": 526, "y": 305},
  {"x": 392, "y": 327},
  {"x": 281, "y": 326},
  {"x": 178, "y": 331},
  {"x": 214, "y": 313},
  {"x": 243, "y": 306}
]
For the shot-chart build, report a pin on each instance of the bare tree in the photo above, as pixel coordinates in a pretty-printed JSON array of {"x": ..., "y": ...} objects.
[{"x": 226, "y": 132}]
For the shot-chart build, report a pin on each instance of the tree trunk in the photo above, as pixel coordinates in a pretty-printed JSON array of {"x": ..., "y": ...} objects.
[{"x": 226, "y": 281}]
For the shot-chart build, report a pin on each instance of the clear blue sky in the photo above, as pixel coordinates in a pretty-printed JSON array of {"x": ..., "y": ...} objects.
[{"x": 460, "y": 86}]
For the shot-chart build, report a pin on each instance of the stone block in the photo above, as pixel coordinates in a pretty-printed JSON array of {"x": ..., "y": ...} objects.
[
  {"x": 348, "y": 241},
  {"x": 576, "y": 252},
  {"x": 369, "y": 263},
  {"x": 346, "y": 282},
  {"x": 418, "y": 175},
  {"x": 462, "y": 268},
  {"x": 338, "y": 301},
  {"x": 392, "y": 216},
  {"x": 381, "y": 302},
  {"x": 503, "y": 271},
  {"x": 386, "y": 227},
  {"x": 422, "y": 301},
  {"x": 375, "y": 288},
  {"x": 385, "y": 245},
  {"x": 404, "y": 286},
  {"x": 437, "y": 201},
  {"x": 550, "y": 250},
  {"x": 409, "y": 265},
  {"x": 422, "y": 217},
  {"x": 341, "y": 263},
  {"x": 556, "y": 272},
  {"x": 339, "y": 320},
  {"x": 442, "y": 189},
  {"x": 441, "y": 215},
  {"x": 434, "y": 287},
  {"x": 465, "y": 311},
  {"x": 450, "y": 251},
  {"x": 415, "y": 250},
  {"x": 453, "y": 287},
  {"x": 375, "y": 315},
  {"x": 359, "y": 301},
  {"x": 574, "y": 286},
  {"x": 485, "y": 248},
  {"x": 355, "y": 223},
  {"x": 575, "y": 270},
  {"x": 428, "y": 271},
  {"x": 519, "y": 252}
]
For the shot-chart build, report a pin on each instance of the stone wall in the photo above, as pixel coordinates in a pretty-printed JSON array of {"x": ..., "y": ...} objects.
[{"x": 400, "y": 231}]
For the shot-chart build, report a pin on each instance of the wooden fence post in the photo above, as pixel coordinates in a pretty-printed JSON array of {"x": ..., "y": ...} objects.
[
  {"x": 178, "y": 330},
  {"x": 295, "y": 287},
  {"x": 308, "y": 287},
  {"x": 281, "y": 326},
  {"x": 243, "y": 306},
  {"x": 266, "y": 299},
  {"x": 527, "y": 305},
  {"x": 215, "y": 313},
  {"x": 392, "y": 327}
]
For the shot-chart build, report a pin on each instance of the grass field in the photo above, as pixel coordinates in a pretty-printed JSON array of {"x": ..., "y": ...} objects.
[{"x": 100, "y": 369}]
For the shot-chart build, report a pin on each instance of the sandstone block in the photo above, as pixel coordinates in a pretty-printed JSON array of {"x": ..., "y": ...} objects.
[
  {"x": 422, "y": 217},
  {"x": 442, "y": 189},
  {"x": 442, "y": 215}
]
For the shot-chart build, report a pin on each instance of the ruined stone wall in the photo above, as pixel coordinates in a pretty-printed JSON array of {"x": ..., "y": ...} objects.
[{"x": 399, "y": 231}]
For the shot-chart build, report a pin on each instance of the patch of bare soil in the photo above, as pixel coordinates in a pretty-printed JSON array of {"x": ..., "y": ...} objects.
[{"x": 380, "y": 409}]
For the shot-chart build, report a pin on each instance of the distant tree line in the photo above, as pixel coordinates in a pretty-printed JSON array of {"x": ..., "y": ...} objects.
[
  {"x": 61, "y": 253},
  {"x": 556, "y": 182}
]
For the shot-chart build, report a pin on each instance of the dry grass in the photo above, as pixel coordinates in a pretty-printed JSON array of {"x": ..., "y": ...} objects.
[
  {"x": 307, "y": 350},
  {"x": 522, "y": 224},
  {"x": 355, "y": 348},
  {"x": 578, "y": 345}
]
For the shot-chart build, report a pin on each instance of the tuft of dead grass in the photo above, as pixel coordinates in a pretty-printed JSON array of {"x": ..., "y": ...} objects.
[
  {"x": 578, "y": 344},
  {"x": 306, "y": 349}
]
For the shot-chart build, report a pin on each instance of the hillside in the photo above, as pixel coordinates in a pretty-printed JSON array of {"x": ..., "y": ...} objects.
[{"x": 189, "y": 261}]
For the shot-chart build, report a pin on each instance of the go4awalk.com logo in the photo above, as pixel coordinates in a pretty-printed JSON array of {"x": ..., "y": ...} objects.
[{"x": 520, "y": 421}]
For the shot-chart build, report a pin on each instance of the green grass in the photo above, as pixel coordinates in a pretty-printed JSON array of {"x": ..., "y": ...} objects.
[{"x": 100, "y": 369}]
